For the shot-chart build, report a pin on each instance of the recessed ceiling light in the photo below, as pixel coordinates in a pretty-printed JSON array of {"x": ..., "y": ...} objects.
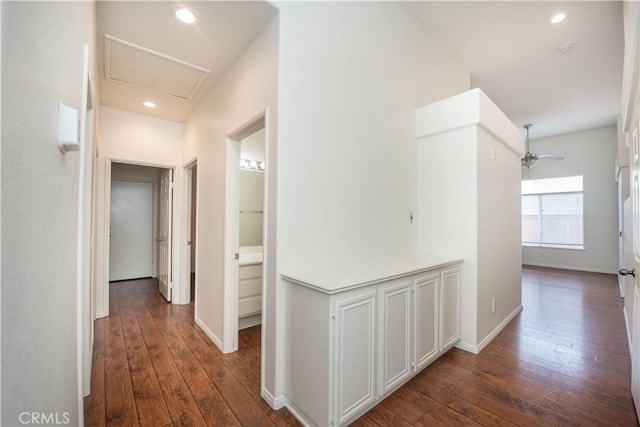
[
  {"x": 149, "y": 104},
  {"x": 186, "y": 16},
  {"x": 558, "y": 18}
]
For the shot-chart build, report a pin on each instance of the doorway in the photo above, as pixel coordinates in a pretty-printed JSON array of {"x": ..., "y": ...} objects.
[
  {"x": 247, "y": 304},
  {"x": 191, "y": 215},
  {"x": 140, "y": 218},
  {"x": 250, "y": 229}
]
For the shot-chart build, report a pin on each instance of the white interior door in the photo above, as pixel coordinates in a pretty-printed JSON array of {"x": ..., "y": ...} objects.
[
  {"x": 634, "y": 259},
  {"x": 164, "y": 234},
  {"x": 131, "y": 245}
]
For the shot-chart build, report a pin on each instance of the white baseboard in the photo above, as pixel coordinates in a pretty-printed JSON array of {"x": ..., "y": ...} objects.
[
  {"x": 299, "y": 414},
  {"x": 101, "y": 314},
  {"x": 477, "y": 348},
  {"x": 210, "y": 334},
  {"x": 566, "y": 267},
  {"x": 275, "y": 402}
]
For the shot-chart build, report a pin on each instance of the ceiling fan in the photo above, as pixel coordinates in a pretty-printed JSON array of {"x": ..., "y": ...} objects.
[{"x": 530, "y": 159}]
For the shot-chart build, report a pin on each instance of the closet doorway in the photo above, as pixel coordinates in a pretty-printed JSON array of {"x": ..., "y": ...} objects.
[{"x": 140, "y": 231}]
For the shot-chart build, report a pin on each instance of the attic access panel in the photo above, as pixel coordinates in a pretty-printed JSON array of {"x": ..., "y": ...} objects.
[{"x": 146, "y": 69}]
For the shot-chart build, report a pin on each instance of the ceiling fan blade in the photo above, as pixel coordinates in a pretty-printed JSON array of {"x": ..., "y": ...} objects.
[{"x": 549, "y": 157}]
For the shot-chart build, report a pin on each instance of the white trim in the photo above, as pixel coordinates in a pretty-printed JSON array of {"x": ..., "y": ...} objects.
[
  {"x": 185, "y": 202},
  {"x": 84, "y": 271},
  {"x": 210, "y": 334},
  {"x": 274, "y": 402},
  {"x": 477, "y": 348},
  {"x": 300, "y": 415},
  {"x": 631, "y": 66},
  {"x": 102, "y": 309},
  {"x": 231, "y": 245},
  {"x": 231, "y": 239},
  {"x": 1, "y": 7},
  {"x": 626, "y": 324},
  {"x": 566, "y": 267}
]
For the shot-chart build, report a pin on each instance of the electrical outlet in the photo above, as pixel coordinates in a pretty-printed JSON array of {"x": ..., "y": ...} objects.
[
  {"x": 493, "y": 305},
  {"x": 410, "y": 217}
]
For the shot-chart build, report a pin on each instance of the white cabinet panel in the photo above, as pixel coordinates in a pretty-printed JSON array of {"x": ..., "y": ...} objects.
[
  {"x": 250, "y": 271},
  {"x": 427, "y": 314},
  {"x": 395, "y": 327},
  {"x": 249, "y": 290},
  {"x": 379, "y": 336},
  {"x": 450, "y": 307},
  {"x": 249, "y": 287},
  {"x": 355, "y": 354}
]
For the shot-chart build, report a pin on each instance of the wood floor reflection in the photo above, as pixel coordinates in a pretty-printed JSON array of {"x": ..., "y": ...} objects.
[{"x": 563, "y": 361}]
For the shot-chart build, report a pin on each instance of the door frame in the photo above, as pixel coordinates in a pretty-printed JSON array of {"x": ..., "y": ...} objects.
[
  {"x": 103, "y": 281},
  {"x": 231, "y": 229},
  {"x": 183, "y": 294},
  {"x": 86, "y": 269}
]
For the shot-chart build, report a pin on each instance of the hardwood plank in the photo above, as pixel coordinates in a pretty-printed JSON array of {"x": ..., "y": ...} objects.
[
  {"x": 212, "y": 406},
  {"x": 384, "y": 417},
  {"x": 120, "y": 407},
  {"x": 606, "y": 401},
  {"x": 150, "y": 405},
  {"x": 408, "y": 412},
  {"x": 182, "y": 408},
  {"x": 158, "y": 353},
  {"x": 364, "y": 421},
  {"x": 452, "y": 401},
  {"x": 435, "y": 409}
]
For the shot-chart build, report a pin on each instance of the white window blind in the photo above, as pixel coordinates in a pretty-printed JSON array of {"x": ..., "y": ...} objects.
[{"x": 552, "y": 212}]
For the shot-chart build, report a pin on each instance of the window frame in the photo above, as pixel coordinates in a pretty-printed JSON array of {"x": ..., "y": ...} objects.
[{"x": 540, "y": 216}]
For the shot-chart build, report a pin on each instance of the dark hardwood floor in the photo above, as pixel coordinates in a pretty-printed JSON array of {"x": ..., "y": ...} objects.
[
  {"x": 152, "y": 366},
  {"x": 563, "y": 361}
]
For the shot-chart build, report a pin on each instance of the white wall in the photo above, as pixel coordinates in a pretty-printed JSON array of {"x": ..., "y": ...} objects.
[
  {"x": 591, "y": 154},
  {"x": 126, "y": 137},
  {"x": 42, "y": 61},
  {"x": 351, "y": 76},
  {"x": 247, "y": 89},
  {"x": 469, "y": 206}
]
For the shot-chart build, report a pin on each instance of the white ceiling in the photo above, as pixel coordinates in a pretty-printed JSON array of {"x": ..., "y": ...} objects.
[
  {"x": 222, "y": 32},
  {"x": 510, "y": 48}
]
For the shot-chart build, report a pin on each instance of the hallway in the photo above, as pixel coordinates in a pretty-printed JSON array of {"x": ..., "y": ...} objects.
[
  {"x": 563, "y": 361},
  {"x": 152, "y": 366}
]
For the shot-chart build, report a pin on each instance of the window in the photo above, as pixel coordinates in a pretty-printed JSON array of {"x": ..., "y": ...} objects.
[{"x": 552, "y": 212}]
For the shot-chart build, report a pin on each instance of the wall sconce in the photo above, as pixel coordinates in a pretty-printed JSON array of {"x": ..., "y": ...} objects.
[{"x": 251, "y": 165}]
